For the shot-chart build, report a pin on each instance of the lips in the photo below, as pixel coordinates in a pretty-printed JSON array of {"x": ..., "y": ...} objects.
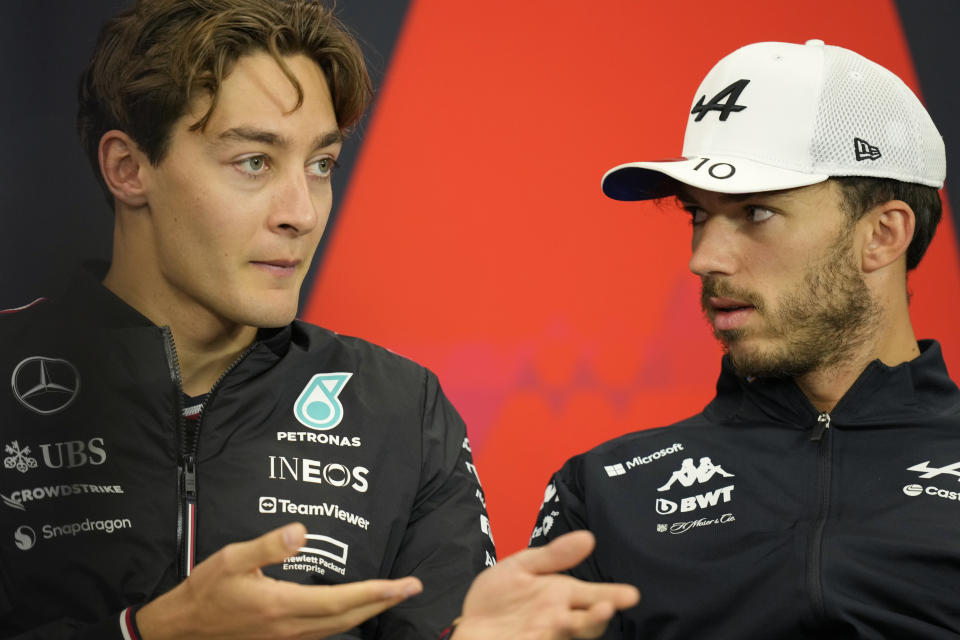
[
  {"x": 729, "y": 313},
  {"x": 277, "y": 267}
]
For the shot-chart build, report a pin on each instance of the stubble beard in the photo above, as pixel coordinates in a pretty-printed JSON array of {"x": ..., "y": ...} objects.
[{"x": 819, "y": 324}]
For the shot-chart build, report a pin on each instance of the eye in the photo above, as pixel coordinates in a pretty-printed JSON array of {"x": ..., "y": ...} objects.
[
  {"x": 322, "y": 167},
  {"x": 759, "y": 214},
  {"x": 697, "y": 215},
  {"x": 253, "y": 166}
]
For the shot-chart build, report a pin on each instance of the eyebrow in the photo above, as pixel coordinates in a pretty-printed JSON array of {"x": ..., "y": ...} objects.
[
  {"x": 686, "y": 198},
  {"x": 270, "y": 138}
]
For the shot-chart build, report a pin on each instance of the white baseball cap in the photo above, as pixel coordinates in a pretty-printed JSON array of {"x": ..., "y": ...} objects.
[{"x": 774, "y": 115}]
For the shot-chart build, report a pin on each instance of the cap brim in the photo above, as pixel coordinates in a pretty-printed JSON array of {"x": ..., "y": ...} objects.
[{"x": 649, "y": 180}]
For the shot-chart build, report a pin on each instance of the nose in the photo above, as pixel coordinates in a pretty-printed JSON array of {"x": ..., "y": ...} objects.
[
  {"x": 714, "y": 248},
  {"x": 299, "y": 207}
]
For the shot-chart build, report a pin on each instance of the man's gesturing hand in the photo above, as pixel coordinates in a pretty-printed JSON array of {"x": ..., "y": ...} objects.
[
  {"x": 523, "y": 598},
  {"x": 227, "y": 596}
]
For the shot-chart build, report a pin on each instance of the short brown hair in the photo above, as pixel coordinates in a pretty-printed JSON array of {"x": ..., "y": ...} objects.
[
  {"x": 859, "y": 194},
  {"x": 152, "y": 59}
]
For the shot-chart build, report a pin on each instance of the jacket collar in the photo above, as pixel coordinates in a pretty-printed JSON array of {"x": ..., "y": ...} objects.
[
  {"x": 93, "y": 305},
  {"x": 880, "y": 395}
]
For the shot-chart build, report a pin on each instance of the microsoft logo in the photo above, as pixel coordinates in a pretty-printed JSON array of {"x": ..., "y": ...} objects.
[{"x": 615, "y": 470}]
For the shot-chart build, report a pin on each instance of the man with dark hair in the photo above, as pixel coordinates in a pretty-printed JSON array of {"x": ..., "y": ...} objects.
[
  {"x": 811, "y": 177},
  {"x": 170, "y": 425}
]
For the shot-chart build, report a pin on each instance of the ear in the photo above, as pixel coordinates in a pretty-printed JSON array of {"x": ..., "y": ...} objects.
[
  {"x": 888, "y": 231},
  {"x": 120, "y": 164}
]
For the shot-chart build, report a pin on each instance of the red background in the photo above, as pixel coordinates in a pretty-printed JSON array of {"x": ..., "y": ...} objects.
[{"x": 474, "y": 237}]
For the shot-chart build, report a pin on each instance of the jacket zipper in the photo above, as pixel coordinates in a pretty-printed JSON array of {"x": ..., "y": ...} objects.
[
  {"x": 821, "y": 435},
  {"x": 189, "y": 437},
  {"x": 184, "y": 530}
]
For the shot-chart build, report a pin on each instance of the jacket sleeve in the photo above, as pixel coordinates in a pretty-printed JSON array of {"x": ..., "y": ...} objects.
[
  {"x": 121, "y": 626},
  {"x": 448, "y": 540},
  {"x": 563, "y": 510}
]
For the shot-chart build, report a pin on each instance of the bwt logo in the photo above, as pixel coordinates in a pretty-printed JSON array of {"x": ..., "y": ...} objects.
[
  {"x": 699, "y": 501},
  {"x": 307, "y": 470}
]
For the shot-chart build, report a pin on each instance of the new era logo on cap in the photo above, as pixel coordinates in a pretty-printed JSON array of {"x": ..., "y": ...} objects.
[{"x": 865, "y": 150}]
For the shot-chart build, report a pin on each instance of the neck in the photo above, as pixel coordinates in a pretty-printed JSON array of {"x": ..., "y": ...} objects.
[
  {"x": 206, "y": 343},
  {"x": 893, "y": 343}
]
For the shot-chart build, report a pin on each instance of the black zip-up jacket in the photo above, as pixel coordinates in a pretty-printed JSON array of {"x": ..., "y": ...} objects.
[
  {"x": 109, "y": 496},
  {"x": 762, "y": 518}
]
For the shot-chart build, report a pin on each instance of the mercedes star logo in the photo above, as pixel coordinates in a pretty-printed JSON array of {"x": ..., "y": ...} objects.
[{"x": 45, "y": 385}]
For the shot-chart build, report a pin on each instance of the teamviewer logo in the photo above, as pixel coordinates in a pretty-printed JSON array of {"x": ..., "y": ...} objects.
[{"x": 268, "y": 505}]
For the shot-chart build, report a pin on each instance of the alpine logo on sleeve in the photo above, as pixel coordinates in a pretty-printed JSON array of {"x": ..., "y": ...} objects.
[
  {"x": 932, "y": 472},
  {"x": 942, "y": 474},
  {"x": 318, "y": 406}
]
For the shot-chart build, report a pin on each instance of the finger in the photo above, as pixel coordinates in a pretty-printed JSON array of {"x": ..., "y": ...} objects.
[
  {"x": 356, "y": 615},
  {"x": 325, "y": 600},
  {"x": 565, "y": 552},
  {"x": 270, "y": 548},
  {"x": 586, "y": 594},
  {"x": 592, "y": 622}
]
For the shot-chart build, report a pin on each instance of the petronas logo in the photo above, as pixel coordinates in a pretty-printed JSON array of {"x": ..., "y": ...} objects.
[{"x": 318, "y": 406}]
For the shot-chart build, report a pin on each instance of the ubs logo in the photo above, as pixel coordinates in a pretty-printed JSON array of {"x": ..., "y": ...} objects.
[
  {"x": 56, "y": 455},
  {"x": 45, "y": 385}
]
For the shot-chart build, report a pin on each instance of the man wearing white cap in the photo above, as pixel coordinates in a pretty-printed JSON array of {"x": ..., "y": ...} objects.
[{"x": 811, "y": 176}]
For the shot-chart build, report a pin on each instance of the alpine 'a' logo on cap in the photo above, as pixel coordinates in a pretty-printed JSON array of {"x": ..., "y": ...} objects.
[
  {"x": 318, "y": 406},
  {"x": 865, "y": 150},
  {"x": 725, "y": 102},
  {"x": 45, "y": 385}
]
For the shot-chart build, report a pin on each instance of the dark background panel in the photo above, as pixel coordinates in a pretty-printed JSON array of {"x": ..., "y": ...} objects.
[
  {"x": 52, "y": 213},
  {"x": 931, "y": 30}
]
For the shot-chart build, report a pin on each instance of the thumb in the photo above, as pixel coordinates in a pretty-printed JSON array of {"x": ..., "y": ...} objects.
[
  {"x": 270, "y": 548},
  {"x": 566, "y": 552}
]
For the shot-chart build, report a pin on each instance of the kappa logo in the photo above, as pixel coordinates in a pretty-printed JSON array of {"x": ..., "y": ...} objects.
[
  {"x": 689, "y": 473},
  {"x": 45, "y": 385},
  {"x": 928, "y": 472},
  {"x": 318, "y": 406}
]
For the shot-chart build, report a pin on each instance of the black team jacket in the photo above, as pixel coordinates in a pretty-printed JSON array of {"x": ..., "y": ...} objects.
[
  {"x": 109, "y": 496},
  {"x": 763, "y": 518}
]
